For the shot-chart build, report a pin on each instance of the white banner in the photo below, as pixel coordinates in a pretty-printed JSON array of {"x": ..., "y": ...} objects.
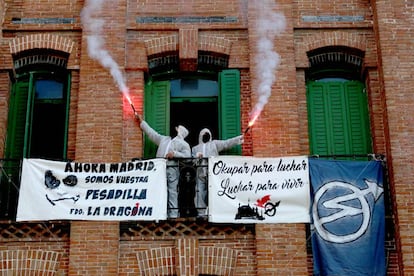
[
  {"x": 259, "y": 190},
  {"x": 52, "y": 190}
]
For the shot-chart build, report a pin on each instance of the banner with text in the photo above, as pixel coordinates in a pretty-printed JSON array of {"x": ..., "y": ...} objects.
[
  {"x": 52, "y": 190},
  {"x": 259, "y": 190}
]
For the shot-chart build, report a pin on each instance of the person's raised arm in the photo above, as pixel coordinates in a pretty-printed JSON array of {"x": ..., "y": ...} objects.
[
  {"x": 229, "y": 143},
  {"x": 151, "y": 133}
]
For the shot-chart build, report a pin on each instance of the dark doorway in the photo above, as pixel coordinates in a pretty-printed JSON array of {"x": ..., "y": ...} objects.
[
  {"x": 194, "y": 116},
  {"x": 48, "y": 131}
]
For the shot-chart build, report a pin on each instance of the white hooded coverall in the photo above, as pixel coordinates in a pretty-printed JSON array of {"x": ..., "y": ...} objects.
[
  {"x": 181, "y": 149},
  {"x": 205, "y": 150}
]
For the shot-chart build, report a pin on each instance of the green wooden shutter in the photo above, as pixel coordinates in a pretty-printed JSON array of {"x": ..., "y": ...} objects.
[
  {"x": 318, "y": 116},
  {"x": 18, "y": 114},
  {"x": 16, "y": 147},
  {"x": 360, "y": 137},
  {"x": 67, "y": 106},
  {"x": 157, "y": 112},
  {"x": 229, "y": 107},
  {"x": 338, "y": 118}
]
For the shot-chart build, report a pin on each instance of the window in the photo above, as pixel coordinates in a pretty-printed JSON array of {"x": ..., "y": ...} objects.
[
  {"x": 197, "y": 97},
  {"x": 195, "y": 103},
  {"x": 38, "y": 109},
  {"x": 337, "y": 103},
  {"x": 37, "y": 121}
]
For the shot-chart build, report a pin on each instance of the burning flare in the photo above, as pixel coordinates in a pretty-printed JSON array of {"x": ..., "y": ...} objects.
[
  {"x": 125, "y": 92},
  {"x": 253, "y": 119}
]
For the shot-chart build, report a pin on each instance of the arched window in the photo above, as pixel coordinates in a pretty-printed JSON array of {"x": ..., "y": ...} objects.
[
  {"x": 38, "y": 106},
  {"x": 208, "y": 98},
  {"x": 37, "y": 119},
  {"x": 337, "y": 103}
]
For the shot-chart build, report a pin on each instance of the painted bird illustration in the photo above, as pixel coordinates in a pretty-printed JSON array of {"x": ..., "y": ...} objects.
[{"x": 262, "y": 201}]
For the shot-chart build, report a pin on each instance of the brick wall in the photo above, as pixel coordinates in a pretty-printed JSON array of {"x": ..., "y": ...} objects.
[
  {"x": 55, "y": 246},
  {"x": 4, "y": 98},
  {"x": 94, "y": 248},
  {"x": 395, "y": 39}
]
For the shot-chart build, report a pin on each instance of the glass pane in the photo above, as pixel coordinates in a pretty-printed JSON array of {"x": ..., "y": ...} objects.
[
  {"x": 332, "y": 80},
  {"x": 48, "y": 89},
  {"x": 194, "y": 88}
]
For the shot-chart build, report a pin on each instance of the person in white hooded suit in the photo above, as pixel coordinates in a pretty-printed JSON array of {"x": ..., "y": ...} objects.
[
  {"x": 169, "y": 148},
  {"x": 208, "y": 147}
]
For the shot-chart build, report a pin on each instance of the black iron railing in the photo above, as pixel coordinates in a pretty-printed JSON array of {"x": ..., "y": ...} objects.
[{"x": 10, "y": 170}]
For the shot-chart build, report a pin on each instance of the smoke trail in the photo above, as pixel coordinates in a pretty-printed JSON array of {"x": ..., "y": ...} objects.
[
  {"x": 269, "y": 25},
  {"x": 96, "y": 43}
]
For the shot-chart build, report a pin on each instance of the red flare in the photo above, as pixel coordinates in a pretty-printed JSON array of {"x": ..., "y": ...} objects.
[
  {"x": 126, "y": 94},
  {"x": 253, "y": 120}
]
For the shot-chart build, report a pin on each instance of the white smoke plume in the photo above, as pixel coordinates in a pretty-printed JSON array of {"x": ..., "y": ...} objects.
[
  {"x": 96, "y": 43},
  {"x": 269, "y": 25}
]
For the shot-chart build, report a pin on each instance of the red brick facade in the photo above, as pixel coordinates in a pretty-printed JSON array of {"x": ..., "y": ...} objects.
[{"x": 102, "y": 128}]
